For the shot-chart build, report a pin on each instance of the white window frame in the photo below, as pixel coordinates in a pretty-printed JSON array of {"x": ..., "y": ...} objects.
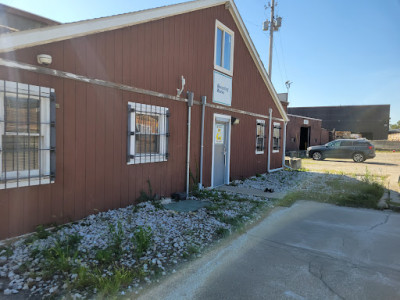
[
  {"x": 224, "y": 29},
  {"x": 32, "y": 176},
  {"x": 150, "y": 110},
  {"x": 262, "y": 123},
  {"x": 276, "y": 125}
]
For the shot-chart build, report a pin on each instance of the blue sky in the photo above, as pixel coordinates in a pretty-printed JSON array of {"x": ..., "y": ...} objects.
[{"x": 336, "y": 52}]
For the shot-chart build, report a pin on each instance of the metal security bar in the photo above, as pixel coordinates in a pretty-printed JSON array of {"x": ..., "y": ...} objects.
[
  {"x": 260, "y": 137},
  {"x": 148, "y": 132},
  {"x": 276, "y": 137},
  {"x": 27, "y": 135}
]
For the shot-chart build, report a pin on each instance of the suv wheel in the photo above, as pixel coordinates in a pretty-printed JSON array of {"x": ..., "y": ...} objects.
[
  {"x": 358, "y": 157},
  {"x": 317, "y": 156}
]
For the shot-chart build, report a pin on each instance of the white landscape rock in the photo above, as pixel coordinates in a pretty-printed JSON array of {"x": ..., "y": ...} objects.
[{"x": 172, "y": 233}]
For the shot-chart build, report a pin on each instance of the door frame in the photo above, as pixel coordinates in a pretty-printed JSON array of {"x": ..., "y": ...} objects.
[{"x": 227, "y": 119}]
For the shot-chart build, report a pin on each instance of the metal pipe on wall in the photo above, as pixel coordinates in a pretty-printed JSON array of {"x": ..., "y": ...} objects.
[
  {"x": 284, "y": 147},
  {"x": 269, "y": 145},
  {"x": 203, "y": 108},
  {"x": 190, "y": 104}
]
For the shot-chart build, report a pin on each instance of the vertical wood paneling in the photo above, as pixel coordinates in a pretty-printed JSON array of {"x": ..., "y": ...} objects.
[
  {"x": 124, "y": 166},
  {"x": 31, "y": 208},
  {"x": 69, "y": 135},
  {"x": 44, "y": 204},
  {"x": 109, "y": 122},
  {"x": 16, "y": 212},
  {"x": 100, "y": 148},
  {"x": 119, "y": 131},
  {"x": 5, "y": 214},
  {"x": 80, "y": 49}
]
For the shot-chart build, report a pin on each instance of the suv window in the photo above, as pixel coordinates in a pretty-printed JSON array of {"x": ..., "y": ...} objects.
[
  {"x": 361, "y": 143},
  {"x": 346, "y": 143},
  {"x": 334, "y": 144}
]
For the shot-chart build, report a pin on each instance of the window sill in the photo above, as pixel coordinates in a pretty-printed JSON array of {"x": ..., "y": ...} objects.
[
  {"x": 25, "y": 183},
  {"x": 223, "y": 70},
  {"x": 259, "y": 152},
  {"x": 147, "y": 159},
  {"x": 275, "y": 151}
]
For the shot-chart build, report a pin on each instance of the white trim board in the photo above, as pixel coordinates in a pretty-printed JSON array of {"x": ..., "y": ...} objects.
[{"x": 45, "y": 35}]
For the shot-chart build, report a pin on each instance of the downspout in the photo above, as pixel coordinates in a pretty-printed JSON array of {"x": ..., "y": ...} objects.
[
  {"x": 203, "y": 108},
  {"x": 284, "y": 147},
  {"x": 190, "y": 104},
  {"x": 269, "y": 145}
]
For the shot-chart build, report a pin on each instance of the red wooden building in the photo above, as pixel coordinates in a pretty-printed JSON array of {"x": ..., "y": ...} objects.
[
  {"x": 91, "y": 110},
  {"x": 303, "y": 132}
]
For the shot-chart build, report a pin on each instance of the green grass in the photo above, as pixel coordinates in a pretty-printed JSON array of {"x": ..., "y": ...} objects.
[
  {"x": 7, "y": 251},
  {"x": 108, "y": 285},
  {"x": 338, "y": 191}
]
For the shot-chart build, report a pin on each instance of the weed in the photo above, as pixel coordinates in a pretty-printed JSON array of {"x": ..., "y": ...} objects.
[
  {"x": 142, "y": 240},
  {"x": 106, "y": 285},
  {"x": 41, "y": 232},
  {"x": 206, "y": 194},
  {"x": 234, "y": 221},
  {"x": 341, "y": 192},
  {"x": 135, "y": 209},
  {"x": 7, "y": 251},
  {"x": 258, "y": 175},
  {"x": 193, "y": 249},
  {"x": 222, "y": 231},
  {"x": 194, "y": 180},
  {"x": 61, "y": 256},
  {"x": 105, "y": 256},
  {"x": 147, "y": 196}
]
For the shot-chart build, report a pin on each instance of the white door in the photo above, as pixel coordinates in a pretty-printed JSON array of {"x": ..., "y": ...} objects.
[{"x": 221, "y": 150}]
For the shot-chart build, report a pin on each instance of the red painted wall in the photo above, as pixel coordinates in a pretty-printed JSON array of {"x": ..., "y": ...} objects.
[{"x": 92, "y": 174}]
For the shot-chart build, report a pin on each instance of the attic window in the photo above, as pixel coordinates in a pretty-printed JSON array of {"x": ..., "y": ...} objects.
[{"x": 224, "y": 42}]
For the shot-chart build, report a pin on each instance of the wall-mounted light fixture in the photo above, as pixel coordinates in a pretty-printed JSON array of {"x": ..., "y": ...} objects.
[
  {"x": 44, "y": 59},
  {"x": 235, "y": 121}
]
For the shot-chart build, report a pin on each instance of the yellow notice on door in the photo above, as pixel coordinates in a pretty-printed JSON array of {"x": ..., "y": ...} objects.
[{"x": 219, "y": 133}]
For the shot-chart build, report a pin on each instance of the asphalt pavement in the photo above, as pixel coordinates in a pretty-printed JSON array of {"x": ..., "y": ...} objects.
[{"x": 308, "y": 251}]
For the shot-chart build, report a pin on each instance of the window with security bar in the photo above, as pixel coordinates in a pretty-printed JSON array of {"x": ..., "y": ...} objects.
[
  {"x": 276, "y": 137},
  {"x": 260, "y": 137},
  {"x": 147, "y": 133},
  {"x": 27, "y": 135}
]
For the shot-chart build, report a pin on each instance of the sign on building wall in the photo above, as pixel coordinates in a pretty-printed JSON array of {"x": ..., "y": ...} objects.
[
  {"x": 219, "y": 134},
  {"x": 222, "y": 90}
]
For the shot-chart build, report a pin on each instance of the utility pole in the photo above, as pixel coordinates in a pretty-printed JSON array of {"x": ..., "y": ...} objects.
[{"x": 273, "y": 25}]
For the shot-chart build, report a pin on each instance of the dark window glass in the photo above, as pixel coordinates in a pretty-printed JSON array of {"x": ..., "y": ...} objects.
[
  {"x": 20, "y": 153},
  {"x": 346, "y": 143},
  {"x": 227, "y": 51},
  {"x": 147, "y": 134},
  {"x": 219, "y": 47},
  {"x": 22, "y": 114}
]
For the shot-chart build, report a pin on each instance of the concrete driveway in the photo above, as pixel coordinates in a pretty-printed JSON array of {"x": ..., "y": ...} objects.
[{"x": 308, "y": 251}]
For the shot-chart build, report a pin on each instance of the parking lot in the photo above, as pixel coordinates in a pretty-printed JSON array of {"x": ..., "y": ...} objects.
[{"x": 384, "y": 164}]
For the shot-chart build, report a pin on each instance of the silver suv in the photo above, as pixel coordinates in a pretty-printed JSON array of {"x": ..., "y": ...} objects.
[{"x": 357, "y": 149}]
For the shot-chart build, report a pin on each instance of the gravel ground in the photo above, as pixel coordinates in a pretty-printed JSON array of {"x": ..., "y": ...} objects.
[
  {"x": 56, "y": 262},
  {"x": 280, "y": 181}
]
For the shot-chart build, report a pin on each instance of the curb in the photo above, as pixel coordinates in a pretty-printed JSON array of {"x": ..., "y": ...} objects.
[{"x": 383, "y": 202}]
